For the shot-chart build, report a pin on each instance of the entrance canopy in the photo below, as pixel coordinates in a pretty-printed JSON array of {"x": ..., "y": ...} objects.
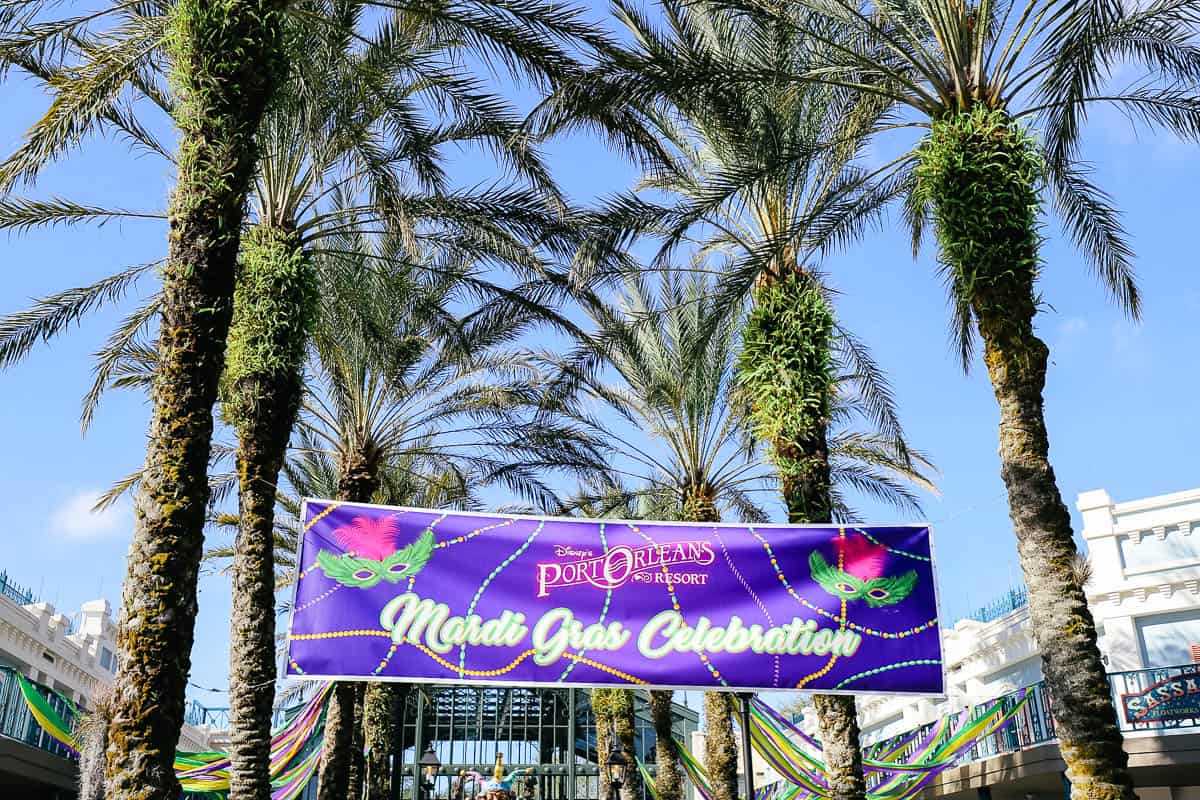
[{"x": 547, "y": 733}]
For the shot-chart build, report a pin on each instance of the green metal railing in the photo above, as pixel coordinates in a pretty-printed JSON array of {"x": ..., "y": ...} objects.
[
  {"x": 552, "y": 728},
  {"x": 15, "y": 592},
  {"x": 17, "y": 723},
  {"x": 1034, "y": 723}
]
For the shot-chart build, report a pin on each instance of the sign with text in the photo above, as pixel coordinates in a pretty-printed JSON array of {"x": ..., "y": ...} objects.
[
  {"x": 1174, "y": 698},
  {"x": 441, "y": 596}
]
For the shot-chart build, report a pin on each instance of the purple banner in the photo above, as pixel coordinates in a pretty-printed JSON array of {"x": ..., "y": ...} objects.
[{"x": 439, "y": 596}]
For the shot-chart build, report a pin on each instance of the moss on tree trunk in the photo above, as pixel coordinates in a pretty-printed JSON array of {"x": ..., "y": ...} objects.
[
  {"x": 981, "y": 173},
  {"x": 273, "y": 303},
  {"x": 225, "y": 58},
  {"x": 786, "y": 371}
]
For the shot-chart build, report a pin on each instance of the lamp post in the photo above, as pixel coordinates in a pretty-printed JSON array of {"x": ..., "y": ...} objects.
[
  {"x": 430, "y": 765},
  {"x": 616, "y": 765}
]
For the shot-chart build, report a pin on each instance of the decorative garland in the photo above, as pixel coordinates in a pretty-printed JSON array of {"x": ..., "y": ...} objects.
[
  {"x": 290, "y": 771},
  {"x": 51, "y": 721},
  {"x": 897, "y": 769},
  {"x": 782, "y": 744},
  {"x": 295, "y": 748}
]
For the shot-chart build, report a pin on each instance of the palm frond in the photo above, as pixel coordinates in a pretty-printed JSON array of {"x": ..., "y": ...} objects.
[{"x": 49, "y": 316}]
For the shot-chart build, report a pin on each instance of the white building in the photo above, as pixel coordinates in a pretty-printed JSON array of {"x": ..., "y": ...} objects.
[
  {"x": 1144, "y": 594},
  {"x": 76, "y": 658},
  {"x": 46, "y": 647}
]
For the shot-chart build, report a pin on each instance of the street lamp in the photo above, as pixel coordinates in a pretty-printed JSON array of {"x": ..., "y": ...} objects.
[
  {"x": 430, "y": 764},
  {"x": 616, "y": 765}
]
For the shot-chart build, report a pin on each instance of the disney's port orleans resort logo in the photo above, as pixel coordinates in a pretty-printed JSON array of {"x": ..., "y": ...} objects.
[{"x": 620, "y": 564}]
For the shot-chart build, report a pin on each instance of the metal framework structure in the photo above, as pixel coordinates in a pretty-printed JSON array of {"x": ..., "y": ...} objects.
[{"x": 551, "y": 733}]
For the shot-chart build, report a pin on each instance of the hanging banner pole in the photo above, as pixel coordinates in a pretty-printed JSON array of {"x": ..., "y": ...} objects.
[
  {"x": 747, "y": 747},
  {"x": 421, "y": 595}
]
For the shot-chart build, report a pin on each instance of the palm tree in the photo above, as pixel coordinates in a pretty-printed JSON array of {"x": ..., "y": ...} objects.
[
  {"x": 357, "y": 111},
  {"x": 674, "y": 387},
  {"x": 225, "y": 63},
  {"x": 323, "y": 176},
  {"x": 367, "y": 717},
  {"x": 613, "y": 710},
  {"x": 220, "y": 102},
  {"x": 434, "y": 410},
  {"x": 674, "y": 355},
  {"x": 748, "y": 176},
  {"x": 786, "y": 370},
  {"x": 976, "y": 76}
]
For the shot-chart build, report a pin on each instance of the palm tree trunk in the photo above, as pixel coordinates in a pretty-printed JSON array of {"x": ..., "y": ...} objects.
[
  {"x": 668, "y": 780},
  {"x": 221, "y": 101},
  {"x": 626, "y": 722},
  {"x": 788, "y": 312},
  {"x": 981, "y": 172},
  {"x": 354, "y": 784},
  {"x": 261, "y": 396},
  {"x": 334, "y": 779},
  {"x": 1063, "y": 628},
  {"x": 806, "y": 491},
  {"x": 357, "y": 482},
  {"x": 614, "y": 712},
  {"x": 837, "y": 722},
  {"x": 720, "y": 745},
  {"x": 92, "y": 734},
  {"x": 381, "y": 708},
  {"x": 252, "y": 630},
  {"x": 602, "y": 715}
]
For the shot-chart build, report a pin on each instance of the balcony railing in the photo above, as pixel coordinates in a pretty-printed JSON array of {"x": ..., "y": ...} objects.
[
  {"x": 17, "y": 723},
  {"x": 1034, "y": 723},
  {"x": 15, "y": 592},
  {"x": 217, "y": 718},
  {"x": 1016, "y": 597}
]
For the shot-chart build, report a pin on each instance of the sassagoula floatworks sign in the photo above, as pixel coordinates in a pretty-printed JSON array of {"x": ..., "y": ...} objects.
[{"x": 421, "y": 595}]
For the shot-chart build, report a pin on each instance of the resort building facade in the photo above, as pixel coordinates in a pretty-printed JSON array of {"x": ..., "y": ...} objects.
[
  {"x": 1144, "y": 593},
  {"x": 69, "y": 660}
]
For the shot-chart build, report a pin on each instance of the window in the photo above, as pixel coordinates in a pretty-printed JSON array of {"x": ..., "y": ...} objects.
[
  {"x": 1167, "y": 639},
  {"x": 1023, "y": 673},
  {"x": 106, "y": 659},
  {"x": 1151, "y": 551}
]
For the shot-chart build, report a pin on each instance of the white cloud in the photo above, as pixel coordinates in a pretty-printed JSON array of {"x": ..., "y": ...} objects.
[
  {"x": 75, "y": 518},
  {"x": 1072, "y": 326},
  {"x": 1068, "y": 334},
  {"x": 1130, "y": 353}
]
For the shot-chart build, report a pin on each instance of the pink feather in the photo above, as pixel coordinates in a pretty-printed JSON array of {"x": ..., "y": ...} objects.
[
  {"x": 369, "y": 538},
  {"x": 860, "y": 557}
]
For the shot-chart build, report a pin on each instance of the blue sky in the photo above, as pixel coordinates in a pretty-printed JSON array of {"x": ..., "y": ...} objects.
[{"x": 1121, "y": 397}]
